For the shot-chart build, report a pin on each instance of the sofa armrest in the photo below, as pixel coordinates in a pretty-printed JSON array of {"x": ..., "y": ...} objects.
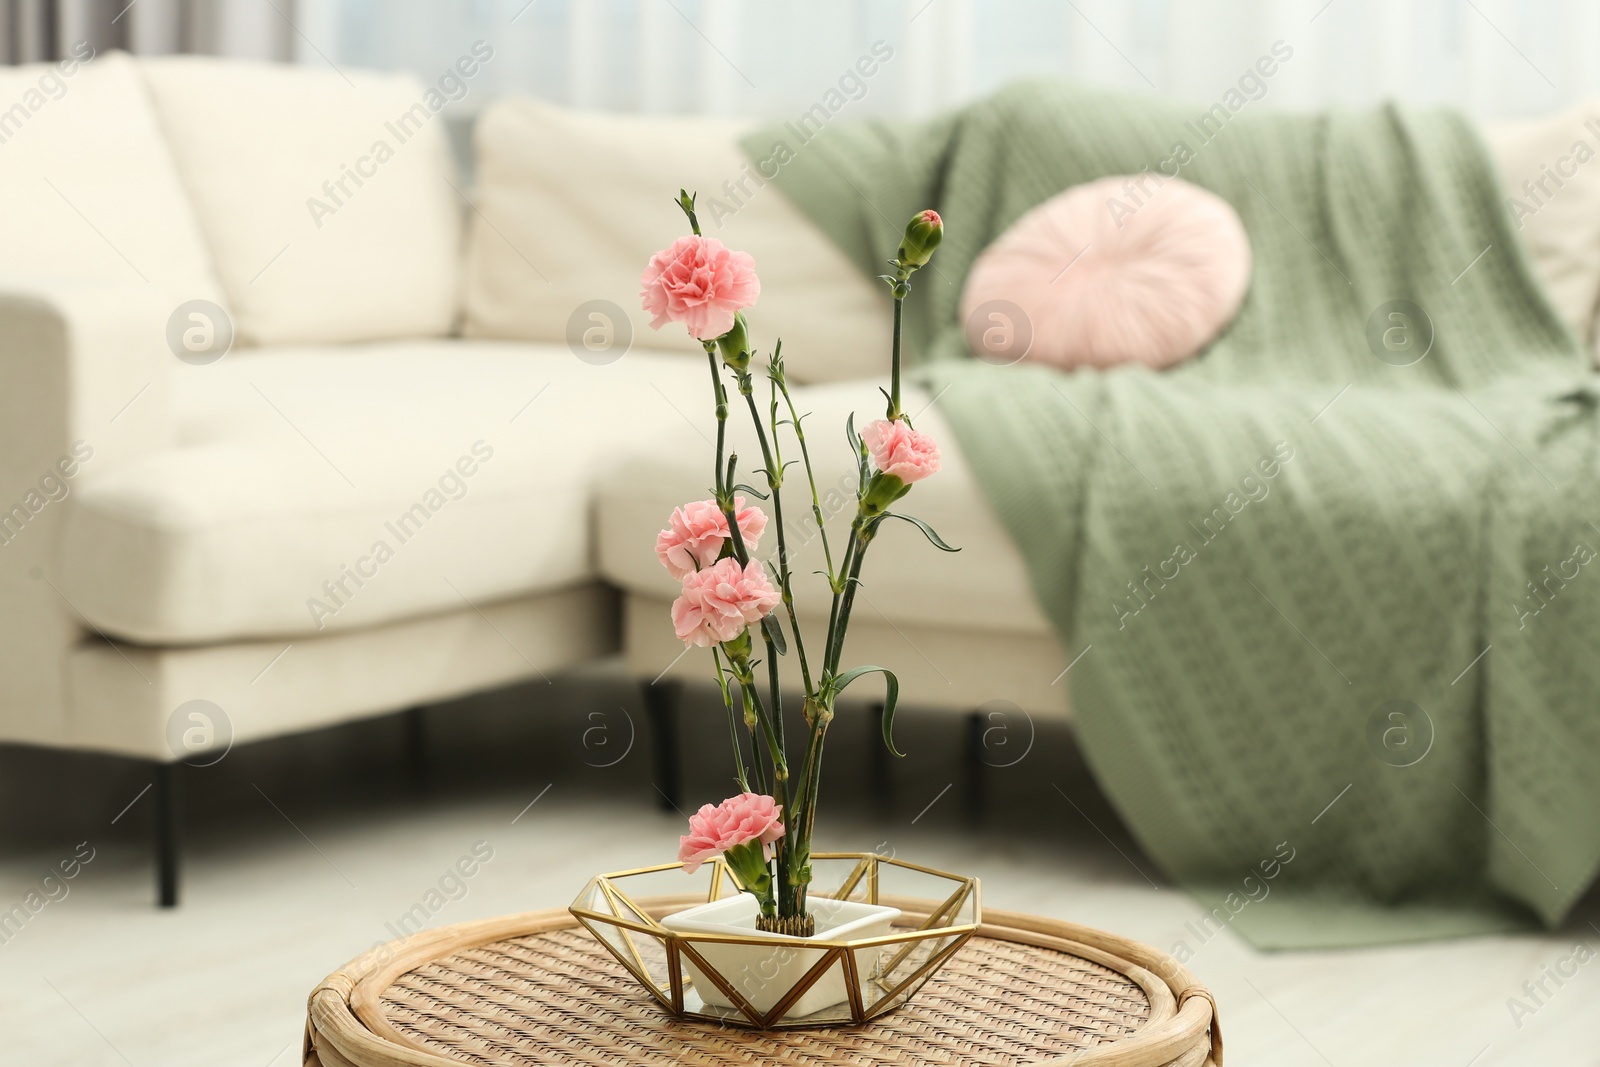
[
  {"x": 75, "y": 354},
  {"x": 87, "y": 370}
]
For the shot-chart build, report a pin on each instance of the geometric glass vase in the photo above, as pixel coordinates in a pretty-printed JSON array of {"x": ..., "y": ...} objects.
[{"x": 876, "y": 962}]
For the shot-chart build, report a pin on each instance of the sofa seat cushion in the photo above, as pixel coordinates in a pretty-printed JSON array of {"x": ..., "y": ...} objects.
[
  {"x": 266, "y": 690},
  {"x": 317, "y": 489},
  {"x": 326, "y": 196},
  {"x": 905, "y": 580}
]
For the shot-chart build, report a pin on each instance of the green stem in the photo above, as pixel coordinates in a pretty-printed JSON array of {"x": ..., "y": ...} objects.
[
  {"x": 803, "y": 820},
  {"x": 775, "y": 488},
  {"x": 805, "y": 456},
  {"x": 774, "y": 462},
  {"x": 848, "y": 566},
  {"x": 733, "y": 724},
  {"x": 762, "y": 728},
  {"x": 721, "y": 395},
  {"x": 752, "y": 720},
  {"x": 894, "y": 363},
  {"x": 900, "y": 286},
  {"x": 742, "y": 553},
  {"x": 780, "y": 762},
  {"x": 771, "y": 725},
  {"x": 838, "y": 595},
  {"x": 863, "y": 532},
  {"x": 720, "y": 481},
  {"x": 804, "y": 812}
]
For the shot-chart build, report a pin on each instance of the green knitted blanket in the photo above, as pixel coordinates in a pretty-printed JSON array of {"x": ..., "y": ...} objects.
[{"x": 1337, "y": 617}]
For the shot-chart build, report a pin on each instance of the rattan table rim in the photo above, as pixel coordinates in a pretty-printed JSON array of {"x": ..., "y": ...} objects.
[{"x": 345, "y": 1010}]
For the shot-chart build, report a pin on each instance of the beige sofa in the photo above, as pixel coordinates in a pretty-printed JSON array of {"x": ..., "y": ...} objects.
[{"x": 293, "y": 433}]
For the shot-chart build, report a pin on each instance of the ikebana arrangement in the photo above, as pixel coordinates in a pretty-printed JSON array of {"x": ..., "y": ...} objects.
[
  {"x": 739, "y": 953},
  {"x": 765, "y": 832}
]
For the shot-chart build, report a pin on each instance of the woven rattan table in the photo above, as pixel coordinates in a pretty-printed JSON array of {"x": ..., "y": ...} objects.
[{"x": 536, "y": 989}]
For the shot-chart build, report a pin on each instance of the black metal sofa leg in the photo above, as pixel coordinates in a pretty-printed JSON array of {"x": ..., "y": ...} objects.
[
  {"x": 975, "y": 763},
  {"x": 167, "y": 832},
  {"x": 662, "y": 700}
]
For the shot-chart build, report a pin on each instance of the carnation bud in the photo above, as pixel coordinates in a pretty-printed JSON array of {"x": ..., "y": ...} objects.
[
  {"x": 921, "y": 238},
  {"x": 882, "y": 490},
  {"x": 740, "y": 647},
  {"x": 749, "y": 862},
  {"x": 735, "y": 344}
]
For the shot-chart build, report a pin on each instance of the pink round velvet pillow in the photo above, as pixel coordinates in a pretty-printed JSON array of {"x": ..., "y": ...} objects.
[{"x": 1118, "y": 270}]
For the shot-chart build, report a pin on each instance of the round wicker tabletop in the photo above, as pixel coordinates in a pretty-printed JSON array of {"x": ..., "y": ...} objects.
[{"x": 537, "y": 989}]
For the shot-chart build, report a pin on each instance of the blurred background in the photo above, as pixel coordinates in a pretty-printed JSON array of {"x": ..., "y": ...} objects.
[
  {"x": 299, "y": 849},
  {"x": 1494, "y": 58}
]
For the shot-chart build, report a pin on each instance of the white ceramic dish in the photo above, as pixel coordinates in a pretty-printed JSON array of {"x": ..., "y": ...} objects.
[{"x": 764, "y": 974}]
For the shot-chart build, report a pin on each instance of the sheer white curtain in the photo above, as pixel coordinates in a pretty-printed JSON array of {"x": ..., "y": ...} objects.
[{"x": 1494, "y": 58}]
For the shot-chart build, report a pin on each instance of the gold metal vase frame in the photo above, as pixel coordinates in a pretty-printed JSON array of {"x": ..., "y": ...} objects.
[{"x": 939, "y": 913}]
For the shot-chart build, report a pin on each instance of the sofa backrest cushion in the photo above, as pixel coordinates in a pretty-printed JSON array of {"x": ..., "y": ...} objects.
[
  {"x": 1551, "y": 170},
  {"x": 89, "y": 186},
  {"x": 326, "y": 196},
  {"x": 571, "y": 205}
]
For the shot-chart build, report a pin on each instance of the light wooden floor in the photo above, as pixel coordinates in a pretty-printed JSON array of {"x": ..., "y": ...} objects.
[{"x": 289, "y": 877}]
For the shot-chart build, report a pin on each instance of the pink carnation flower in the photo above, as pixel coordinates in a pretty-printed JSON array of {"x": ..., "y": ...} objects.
[
  {"x": 701, "y": 283},
  {"x": 736, "y": 821},
  {"x": 897, "y": 449},
  {"x": 697, "y": 531},
  {"x": 719, "y": 602}
]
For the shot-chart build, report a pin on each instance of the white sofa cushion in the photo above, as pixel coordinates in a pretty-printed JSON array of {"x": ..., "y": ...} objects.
[
  {"x": 473, "y": 463},
  {"x": 90, "y": 186},
  {"x": 573, "y": 204},
  {"x": 984, "y": 586},
  {"x": 266, "y": 689},
  {"x": 326, "y": 197},
  {"x": 1551, "y": 170}
]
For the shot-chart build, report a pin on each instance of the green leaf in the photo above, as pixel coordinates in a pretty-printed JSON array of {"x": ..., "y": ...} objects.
[
  {"x": 857, "y": 449},
  {"x": 774, "y": 631},
  {"x": 891, "y": 696},
  {"x": 927, "y": 531},
  {"x": 752, "y": 490}
]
